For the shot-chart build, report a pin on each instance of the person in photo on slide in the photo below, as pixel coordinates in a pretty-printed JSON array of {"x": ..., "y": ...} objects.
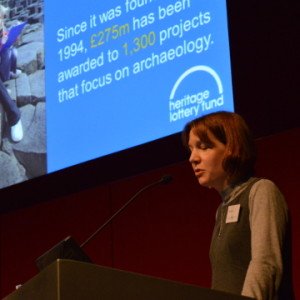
[{"x": 8, "y": 70}]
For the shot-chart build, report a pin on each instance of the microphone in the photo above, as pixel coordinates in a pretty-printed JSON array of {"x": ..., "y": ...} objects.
[
  {"x": 163, "y": 180},
  {"x": 166, "y": 179}
]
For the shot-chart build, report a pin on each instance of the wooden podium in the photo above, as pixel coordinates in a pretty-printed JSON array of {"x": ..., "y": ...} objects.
[{"x": 72, "y": 280}]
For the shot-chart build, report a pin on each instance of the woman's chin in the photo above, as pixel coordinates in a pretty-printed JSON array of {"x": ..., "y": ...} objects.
[{"x": 203, "y": 182}]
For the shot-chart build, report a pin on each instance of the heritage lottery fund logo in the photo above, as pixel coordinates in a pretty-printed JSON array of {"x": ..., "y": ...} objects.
[{"x": 188, "y": 105}]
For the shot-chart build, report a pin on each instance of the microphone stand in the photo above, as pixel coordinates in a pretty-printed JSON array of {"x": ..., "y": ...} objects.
[{"x": 164, "y": 180}]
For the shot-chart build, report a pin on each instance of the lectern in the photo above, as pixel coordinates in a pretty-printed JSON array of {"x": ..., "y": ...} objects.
[{"x": 72, "y": 280}]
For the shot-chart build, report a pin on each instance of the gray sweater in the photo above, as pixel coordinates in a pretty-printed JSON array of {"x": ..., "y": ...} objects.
[{"x": 247, "y": 243}]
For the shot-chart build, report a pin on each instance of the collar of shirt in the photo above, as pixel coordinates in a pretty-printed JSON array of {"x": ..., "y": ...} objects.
[{"x": 230, "y": 193}]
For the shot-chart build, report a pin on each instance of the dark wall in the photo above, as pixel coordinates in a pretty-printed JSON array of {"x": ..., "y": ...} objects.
[
  {"x": 165, "y": 232},
  {"x": 265, "y": 51}
]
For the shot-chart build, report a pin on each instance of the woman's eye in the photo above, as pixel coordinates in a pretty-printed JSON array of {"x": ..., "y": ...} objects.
[{"x": 204, "y": 146}]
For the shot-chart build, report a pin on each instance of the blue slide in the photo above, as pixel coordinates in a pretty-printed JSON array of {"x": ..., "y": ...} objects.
[{"x": 123, "y": 73}]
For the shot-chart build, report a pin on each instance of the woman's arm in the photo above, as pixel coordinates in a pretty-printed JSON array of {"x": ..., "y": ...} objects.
[{"x": 268, "y": 220}]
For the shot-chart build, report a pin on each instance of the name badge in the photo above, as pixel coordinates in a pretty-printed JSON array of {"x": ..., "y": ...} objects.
[{"x": 233, "y": 212}]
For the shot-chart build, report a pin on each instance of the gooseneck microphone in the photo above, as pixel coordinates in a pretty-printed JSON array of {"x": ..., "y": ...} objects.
[
  {"x": 69, "y": 249},
  {"x": 163, "y": 180}
]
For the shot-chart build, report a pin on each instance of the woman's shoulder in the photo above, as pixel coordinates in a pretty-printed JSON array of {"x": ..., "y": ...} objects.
[
  {"x": 266, "y": 192},
  {"x": 264, "y": 184}
]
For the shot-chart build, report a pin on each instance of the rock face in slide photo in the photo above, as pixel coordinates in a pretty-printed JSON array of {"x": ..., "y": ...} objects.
[{"x": 26, "y": 159}]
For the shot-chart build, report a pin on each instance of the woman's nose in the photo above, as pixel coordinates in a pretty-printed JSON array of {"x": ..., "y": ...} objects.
[{"x": 193, "y": 157}]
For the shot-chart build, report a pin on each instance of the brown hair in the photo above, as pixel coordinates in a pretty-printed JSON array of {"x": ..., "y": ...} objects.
[{"x": 231, "y": 130}]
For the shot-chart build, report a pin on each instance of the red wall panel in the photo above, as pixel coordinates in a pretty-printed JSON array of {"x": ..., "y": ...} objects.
[
  {"x": 164, "y": 233},
  {"x": 26, "y": 234}
]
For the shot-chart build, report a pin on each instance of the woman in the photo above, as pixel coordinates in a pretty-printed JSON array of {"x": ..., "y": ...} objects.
[{"x": 249, "y": 239}]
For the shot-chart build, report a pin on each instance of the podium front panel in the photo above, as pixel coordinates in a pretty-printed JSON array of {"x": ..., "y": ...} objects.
[{"x": 72, "y": 280}]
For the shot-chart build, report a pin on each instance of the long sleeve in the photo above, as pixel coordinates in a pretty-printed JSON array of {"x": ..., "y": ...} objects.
[{"x": 268, "y": 219}]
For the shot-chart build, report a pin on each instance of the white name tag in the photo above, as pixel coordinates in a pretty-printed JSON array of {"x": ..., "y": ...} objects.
[{"x": 233, "y": 212}]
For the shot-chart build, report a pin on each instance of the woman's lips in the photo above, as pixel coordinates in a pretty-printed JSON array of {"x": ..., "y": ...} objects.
[{"x": 198, "y": 172}]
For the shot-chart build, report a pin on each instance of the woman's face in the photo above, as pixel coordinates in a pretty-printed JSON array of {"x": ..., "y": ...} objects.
[{"x": 206, "y": 161}]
